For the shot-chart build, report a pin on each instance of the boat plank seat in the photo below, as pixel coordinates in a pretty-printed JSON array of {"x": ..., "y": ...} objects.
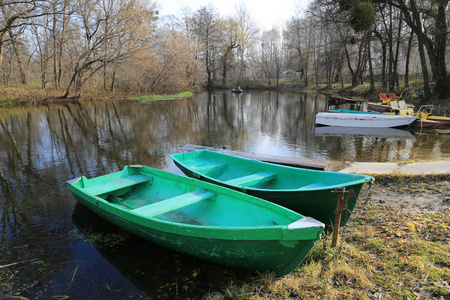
[
  {"x": 173, "y": 203},
  {"x": 394, "y": 105},
  {"x": 313, "y": 185},
  {"x": 252, "y": 179},
  {"x": 205, "y": 165},
  {"x": 119, "y": 183}
]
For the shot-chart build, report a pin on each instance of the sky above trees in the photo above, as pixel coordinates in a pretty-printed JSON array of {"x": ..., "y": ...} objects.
[{"x": 265, "y": 13}]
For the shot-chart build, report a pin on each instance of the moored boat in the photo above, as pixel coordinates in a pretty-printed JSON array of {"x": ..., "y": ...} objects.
[
  {"x": 308, "y": 192},
  {"x": 352, "y": 118},
  {"x": 400, "y": 108},
  {"x": 384, "y": 105},
  {"x": 200, "y": 219},
  {"x": 426, "y": 112}
]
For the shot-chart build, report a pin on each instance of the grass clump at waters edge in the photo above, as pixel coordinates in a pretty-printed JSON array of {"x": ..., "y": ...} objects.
[
  {"x": 162, "y": 97},
  {"x": 383, "y": 253}
]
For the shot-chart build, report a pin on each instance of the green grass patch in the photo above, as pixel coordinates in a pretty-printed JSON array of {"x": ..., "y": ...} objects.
[
  {"x": 162, "y": 97},
  {"x": 6, "y": 100}
]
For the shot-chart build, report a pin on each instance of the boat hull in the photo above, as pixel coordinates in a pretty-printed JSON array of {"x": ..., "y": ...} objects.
[
  {"x": 425, "y": 124},
  {"x": 363, "y": 120},
  {"x": 308, "y": 192},
  {"x": 378, "y": 107},
  {"x": 444, "y": 122},
  {"x": 381, "y": 107},
  {"x": 268, "y": 247}
]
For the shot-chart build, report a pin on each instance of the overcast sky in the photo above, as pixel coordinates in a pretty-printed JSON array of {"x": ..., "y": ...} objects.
[{"x": 266, "y": 13}]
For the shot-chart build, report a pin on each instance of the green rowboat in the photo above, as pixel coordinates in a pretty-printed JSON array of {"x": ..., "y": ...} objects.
[
  {"x": 201, "y": 219},
  {"x": 305, "y": 191}
]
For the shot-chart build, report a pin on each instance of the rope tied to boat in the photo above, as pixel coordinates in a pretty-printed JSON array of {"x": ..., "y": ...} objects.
[
  {"x": 345, "y": 197},
  {"x": 368, "y": 198}
]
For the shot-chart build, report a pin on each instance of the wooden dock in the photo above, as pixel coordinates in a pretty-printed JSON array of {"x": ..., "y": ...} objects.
[
  {"x": 280, "y": 160},
  {"x": 335, "y": 99}
]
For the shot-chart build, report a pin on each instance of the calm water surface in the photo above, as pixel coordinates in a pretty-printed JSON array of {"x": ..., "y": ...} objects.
[{"x": 52, "y": 247}]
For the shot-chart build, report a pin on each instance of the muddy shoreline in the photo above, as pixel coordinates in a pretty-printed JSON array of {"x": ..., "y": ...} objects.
[{"x": 410, "y": 193}]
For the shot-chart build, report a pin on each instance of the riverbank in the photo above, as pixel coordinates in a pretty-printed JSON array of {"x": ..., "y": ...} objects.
[
  {"x": 26, "y": 95},
  {"x": 23, "y": 95},
  {"x": 396, "y": 246}
]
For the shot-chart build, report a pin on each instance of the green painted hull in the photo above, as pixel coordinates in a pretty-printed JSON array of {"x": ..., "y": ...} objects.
[
  {"x": 305, "y": 191},
  {"x": 200, "y": 219},
  {"x": 353, "y": 111}
]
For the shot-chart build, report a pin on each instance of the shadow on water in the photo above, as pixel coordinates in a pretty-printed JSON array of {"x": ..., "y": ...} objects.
[{"x": 156, "y": 271}]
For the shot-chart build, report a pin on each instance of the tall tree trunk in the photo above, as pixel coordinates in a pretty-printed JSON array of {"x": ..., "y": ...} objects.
[
  {"x": 224, "y": 73},
  {"x": 23, "y": 78},
  {"x": 369, "y": 46},
  {"x": 397, "y": 50},
  {"x": 113, "y": 81},
  {"x": 383, "y": 59},
  {"x": 437, "y": 59},
  {"x": 2, "y": 46},
  {"x": 426, "y": 77},
  {"x": 349, "y": 65},
  {"x": 435, "y": 44},
  {"x": 391, "y": 51},
  {"x": 408, "y": 55},
  {"x": 55, "y": 48}
]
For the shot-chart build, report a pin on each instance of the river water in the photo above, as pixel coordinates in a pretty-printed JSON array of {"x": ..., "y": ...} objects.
[{"x": 52, "y": 247}]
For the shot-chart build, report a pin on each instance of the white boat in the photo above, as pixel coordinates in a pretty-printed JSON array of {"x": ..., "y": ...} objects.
[{"x": 350, "y": 118}]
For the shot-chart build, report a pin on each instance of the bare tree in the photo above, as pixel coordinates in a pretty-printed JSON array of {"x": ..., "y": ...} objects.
[
  {"x": 168, "y": 66},
  {"x": 230, "y": 34},
  {"x": 206, "y": 27},
  {"x": 428, "y": 20},
  {"x": 298, "y": 38},
  {"x": 247, "y": 31},
  {"x": 61, "y": 13},
  {"x": 13, "y": 15},
  {"x": 271, "y": 57},
  {"x": 119, "y": 26}
]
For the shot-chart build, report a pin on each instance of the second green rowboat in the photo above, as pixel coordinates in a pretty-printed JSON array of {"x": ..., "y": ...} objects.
[{"x": 307, "y": 192}]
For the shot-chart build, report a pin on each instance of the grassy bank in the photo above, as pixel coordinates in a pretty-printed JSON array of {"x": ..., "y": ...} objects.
[
  {"x": 162, "y": 97},
  {"x": 22, "y": 95},
  {"x": 385, "y": 252}
]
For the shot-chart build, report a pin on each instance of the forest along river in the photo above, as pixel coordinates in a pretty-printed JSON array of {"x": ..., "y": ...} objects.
[{"x": 52, "y": 247}]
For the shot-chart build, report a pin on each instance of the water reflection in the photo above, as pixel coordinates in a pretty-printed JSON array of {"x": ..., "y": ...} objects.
[
  {"x": 344, "y": 132},
  {"x": 42, "y": 147}
]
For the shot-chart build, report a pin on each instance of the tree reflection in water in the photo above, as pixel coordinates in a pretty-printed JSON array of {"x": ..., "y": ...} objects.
[{"x": 42, "y": 147}]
